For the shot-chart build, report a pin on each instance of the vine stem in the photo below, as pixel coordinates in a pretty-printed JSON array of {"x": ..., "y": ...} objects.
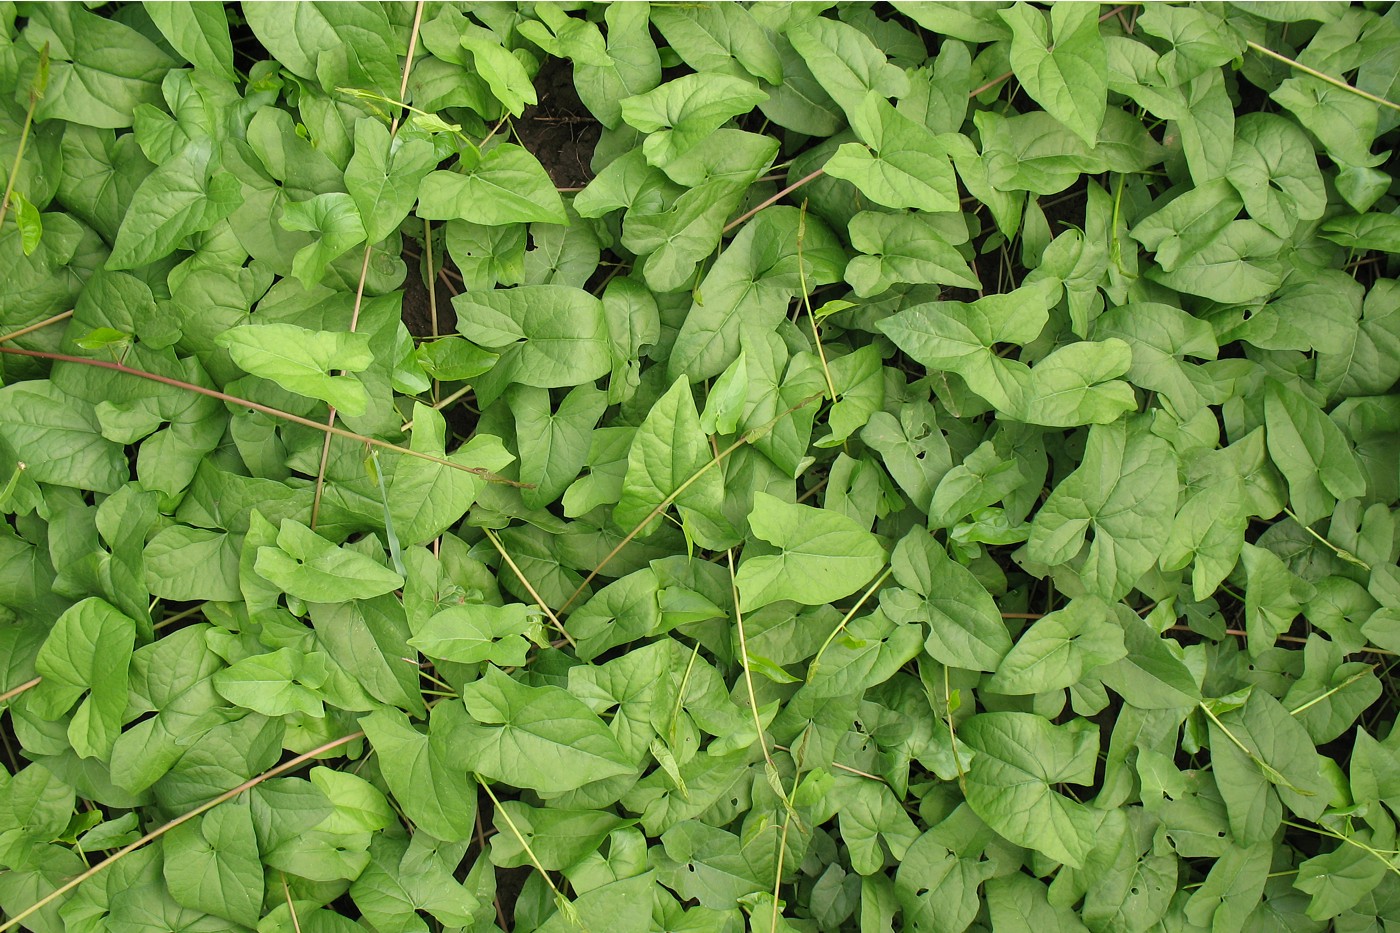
[
  {"x": 13, "y": 692},
  {"x": 560, "y": 900},
  {"x": 744, "y": 659},
  {"x": 265, "y": 409},
  {"x": 841, "y": 626},
  {"x": 774, "y": 199},
  {"x": 364, "y": 268},
  {"x": 39, "y": 326},
  {"x": 1321, "y": 76},
  {"x": 529, "y": 587},
  {"x": 291, "y": 908},
  {"x": 159, "y": 831}
]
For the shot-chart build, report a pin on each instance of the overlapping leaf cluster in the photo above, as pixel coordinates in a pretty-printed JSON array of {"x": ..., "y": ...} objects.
[{"x": 995, "y": 530}]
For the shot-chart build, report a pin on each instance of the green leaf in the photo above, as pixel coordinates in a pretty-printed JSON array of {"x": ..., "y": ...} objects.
[
  {"x": 478, "y": 632},
  {"x": 904, "y": 164},
  {"x": 872, "y": 815},
  {"x": 983, "y": 478},
  {"x": 965, "y": 628},
  {"x": 1274, "y": 596},
  {"x": 504, "y": 186},
  {"x": 1009, "y": 782},
  {"x": 749, "y": 287},
  {"x": 88, "y": 651},
  {"x": 438, "y": 798},
  {"x": 1201, "y": 41},
  {"x": 335, "y": 44},
  {"x": 31, "y": 225},
  {"x": 61, "y": 438},
  {"x": 501, "y": 70},
  {"x": 1275, "y": 172},
  {"x": 634, "y": 66},
  {"x": 547, "y": 336},
  {"x": 1186, "y": 224},
  {"x": 1035, "y": 152},
  {"x": 427, "y": 498},
  {"x": 1237, "y": 266},
  {"x": 969, "y": 21},
  {"x": 1075, "y": 385},
  {"x": 184, "y": 563},
  {"x": 307, "y": 566},
  {"x": 714, "y": 37},
  {"x": 198, "y": 32},
  {"x": 1338, "y": 880},
  {"x": 542, "y": 738},
  {"x": 212, "y": 864},
  {"x": 1368, "y": 361},
  {"x": 706, "y": 863},
  {"x": 301, "y": 360},
  {"x": 1278, "y": 749},
  {"x": 1209, "y": 528},
  {"x": 821, "y": 556},
  {"x": 99, "y": 71},
  {"x": 667, "y": 453},
  {"x": 181, "y": 197},
  {"x": 959, "y": 337},
  {"x": 680, "y": 114},
  {"x": 1311, "y": 452},
  {"x": 936, "y": 888},
  {"x": 622, "y": 906},
  {"x": 1125, "y": 492},
  {"x": 1019, "y": 904},
  {"x": 906, "y": 248},
  {"x": 847, "y": 64},
  {"x": 558, "y": 839},
  {"x": 1232, "y": 889},
  {"x": 1160, "y": 339},
  {"x": 553, "y": 443},
  {"x": 1060, "y": 649},
  {"x": 1344, "y": 122},
  {"x": 1063, "y": 72},
  {"x": 860, "y": 389},
  {"x": 1367, "y": 231},
  {"x": 274, "y": 684},
  {"x": 335, "y": 220}
]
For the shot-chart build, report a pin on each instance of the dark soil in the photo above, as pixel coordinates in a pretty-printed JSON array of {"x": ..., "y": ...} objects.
[{"x": 559, "y": 131}]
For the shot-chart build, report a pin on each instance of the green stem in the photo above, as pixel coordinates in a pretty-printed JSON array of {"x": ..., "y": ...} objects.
[
  {"x": 744, "y": 660},
  {"x": 559, "y": 898},
  {"x": 1344, "y": 554},
  {"x": 1337, "y": 689},
  {"x": 1385, "y": 856},
  {"x": 870, "y": 591},
  {"x": 1335, "y": 82},
  {"x": 159, "y": 831},
  {"x": 364, "y": 275},
  {"x": 36, "y": 91},
  {"x": 274, "y": 412},
  {"x": 529, "y": 587}
]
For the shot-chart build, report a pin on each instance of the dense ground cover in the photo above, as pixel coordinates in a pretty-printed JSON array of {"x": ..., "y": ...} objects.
[{"x": 699, "y": 467}]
